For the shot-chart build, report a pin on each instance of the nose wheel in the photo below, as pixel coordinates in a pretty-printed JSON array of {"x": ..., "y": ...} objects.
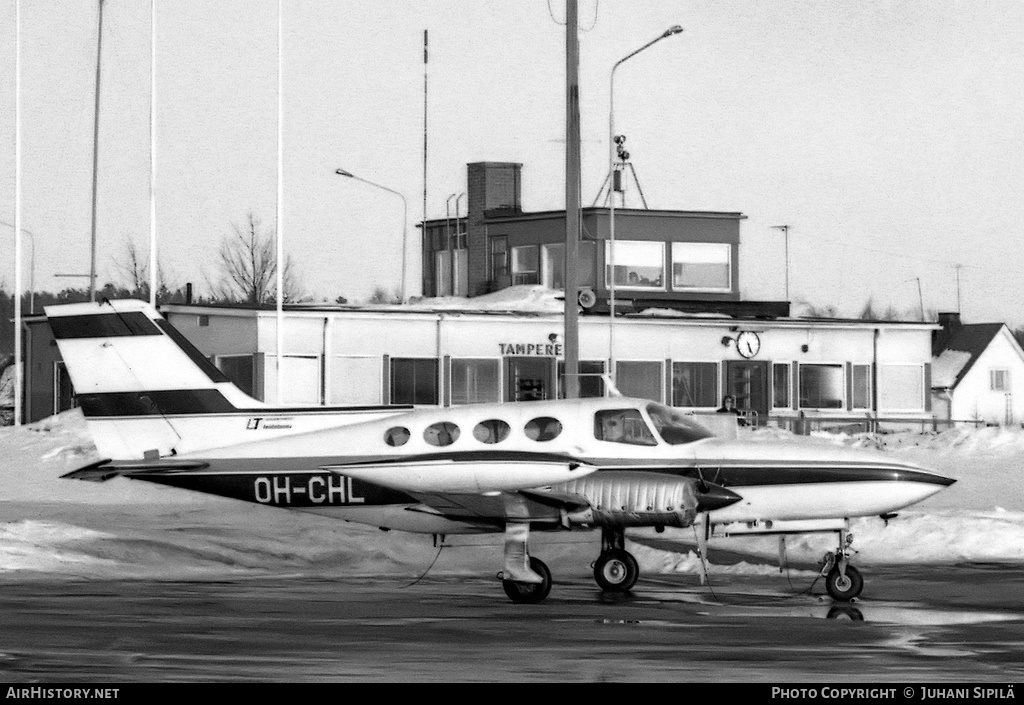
[
  {"x": 842, "y": 581},
  {"x": 615, "y": 570}
]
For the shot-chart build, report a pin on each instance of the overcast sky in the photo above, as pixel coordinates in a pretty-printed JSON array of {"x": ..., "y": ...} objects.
[{"x": 886, "y": 134}]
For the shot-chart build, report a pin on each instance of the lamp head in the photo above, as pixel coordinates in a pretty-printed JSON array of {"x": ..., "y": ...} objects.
[
  {"x": 342, "y": 172},
  {"x": 675, "y": 29}
]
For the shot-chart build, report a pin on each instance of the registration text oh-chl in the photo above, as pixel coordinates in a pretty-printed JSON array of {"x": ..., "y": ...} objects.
[{"x": 318, "y": 489}]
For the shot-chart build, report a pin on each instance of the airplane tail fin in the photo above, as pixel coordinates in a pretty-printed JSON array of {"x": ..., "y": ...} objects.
[{"x": 128, "y": 364}]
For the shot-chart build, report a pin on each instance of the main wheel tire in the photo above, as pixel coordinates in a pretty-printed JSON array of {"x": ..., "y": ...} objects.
[
  {"x": 529, "y": 593},
  {"x": 844, "y": 590},
  {"x": 616, "y": 570}
]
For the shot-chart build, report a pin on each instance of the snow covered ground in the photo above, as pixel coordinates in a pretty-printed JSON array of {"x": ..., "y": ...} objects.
[{"x": 123, "y": 528}]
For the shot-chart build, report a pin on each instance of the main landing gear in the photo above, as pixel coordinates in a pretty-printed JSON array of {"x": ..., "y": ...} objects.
[
  {"x": 842, "y": 580},
  {"x": 615, "y": 570},
  {"x": 526, "y": 580}
]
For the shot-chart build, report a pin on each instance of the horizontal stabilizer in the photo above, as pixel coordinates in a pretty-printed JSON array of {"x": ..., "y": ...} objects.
[{"x": 103, "y": 470}]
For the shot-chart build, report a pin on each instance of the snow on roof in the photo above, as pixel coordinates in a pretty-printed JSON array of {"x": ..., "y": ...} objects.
[
  {"x": 536, "y": 299},
  {"x": 947, "y": 366}
]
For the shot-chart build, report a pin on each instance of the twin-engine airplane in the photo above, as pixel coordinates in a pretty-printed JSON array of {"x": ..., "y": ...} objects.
[{"x": 161, "y": 412}]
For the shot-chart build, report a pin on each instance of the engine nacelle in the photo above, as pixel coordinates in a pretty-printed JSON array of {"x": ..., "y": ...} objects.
[{"x": 621, "y": 499}]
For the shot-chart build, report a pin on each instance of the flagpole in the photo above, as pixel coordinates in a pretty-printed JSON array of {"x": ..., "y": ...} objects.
[
  {"x": 280, "y": 199},
  {"x": 152, "y": 162},
  {"x": 18, "y": 374}
]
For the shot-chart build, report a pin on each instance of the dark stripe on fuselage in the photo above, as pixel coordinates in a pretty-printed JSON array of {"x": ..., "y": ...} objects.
[
  {"x": 752, "y": 475},
  {"x": 288, "y": 490},
  {"x": 103, "y": 325},
  {"x": 155, "y": 403},
  {"x": 192, "y": 402}
]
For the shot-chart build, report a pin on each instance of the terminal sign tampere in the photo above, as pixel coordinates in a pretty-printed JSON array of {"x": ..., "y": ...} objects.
[{"x": 538, "y": 349}]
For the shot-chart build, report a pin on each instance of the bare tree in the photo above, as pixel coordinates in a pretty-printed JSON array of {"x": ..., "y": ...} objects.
[
  {"x": 134, "y": 270},
  {"x": 247, "y": 261}
]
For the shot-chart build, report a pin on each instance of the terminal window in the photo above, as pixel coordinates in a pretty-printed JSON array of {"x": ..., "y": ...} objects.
[
  {"x": 822, "y": 387},
  {"x": 414, "y": 381},
  {"x": 702, "y": 266},
  {"x": 475, "y": 381},
  {"x": 638, "y": 265},
  {"x": 695, "y": 384}
]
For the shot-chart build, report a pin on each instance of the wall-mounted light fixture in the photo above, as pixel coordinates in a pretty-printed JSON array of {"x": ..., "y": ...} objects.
[
  {"x": 553, "y": 337},
  {"x": 805, "y": 347},
  {"x": 726, "y": 340}
]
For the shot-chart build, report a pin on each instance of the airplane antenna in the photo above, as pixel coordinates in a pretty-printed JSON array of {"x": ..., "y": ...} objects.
[{"x": 439, "y": 549}]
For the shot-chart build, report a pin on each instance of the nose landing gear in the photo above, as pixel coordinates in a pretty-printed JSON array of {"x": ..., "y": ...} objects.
[
  {"x": 615, "y": 570},
  {"x": 842, "y": 581}
]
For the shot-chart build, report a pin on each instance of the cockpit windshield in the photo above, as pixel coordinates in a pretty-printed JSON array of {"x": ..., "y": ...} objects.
[{"x": 675, "y": 427}]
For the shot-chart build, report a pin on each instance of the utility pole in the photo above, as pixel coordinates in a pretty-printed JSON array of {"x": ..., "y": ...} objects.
[
  {"x": 785, "y": 233},
  {"x": 572, "y": 200},
  {"x": 95, "y": 155},
  {"x": 920, "y": 297},
  {"x": 958, "y": 287}
]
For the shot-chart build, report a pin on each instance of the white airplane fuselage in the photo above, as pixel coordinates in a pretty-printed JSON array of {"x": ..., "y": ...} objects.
[{"x": 279, "y": 459}]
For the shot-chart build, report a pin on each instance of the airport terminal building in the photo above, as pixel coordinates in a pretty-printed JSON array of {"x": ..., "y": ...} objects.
[{"x": 681, "y": 335}]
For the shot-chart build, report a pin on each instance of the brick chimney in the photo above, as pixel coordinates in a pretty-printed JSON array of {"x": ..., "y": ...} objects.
[
  {"x": 950, "y": 322},
  {"x": 491, "y": 185}
]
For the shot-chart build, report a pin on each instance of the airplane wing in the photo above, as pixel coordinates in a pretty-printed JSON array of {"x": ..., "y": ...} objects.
[{"x": 528, "y": 505}]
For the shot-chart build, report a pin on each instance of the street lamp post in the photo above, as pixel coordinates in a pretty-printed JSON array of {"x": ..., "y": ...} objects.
[
  {"x": 405, "y": 215},
  {"x": 676, "y": 29},
  {"x": 785, "y": 233}
]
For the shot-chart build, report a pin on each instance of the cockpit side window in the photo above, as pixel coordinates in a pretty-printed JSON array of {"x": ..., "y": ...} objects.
[
  {"x": 623, "y": 426},
  {"x": 674, "y": 427}
]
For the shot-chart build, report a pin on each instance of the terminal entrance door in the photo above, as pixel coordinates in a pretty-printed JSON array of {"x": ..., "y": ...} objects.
[
  {"x": 747, "y": 381},
  {"x": 529, "y": 379}
]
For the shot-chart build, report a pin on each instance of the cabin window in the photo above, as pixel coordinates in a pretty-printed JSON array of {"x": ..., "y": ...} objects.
[
  {"x": 701, "y": 266},
  {"x": 491, "y": 431},
  {"x": 475, "y": 381},
  {"x": 623, "y": 426},
  {"x": 442, "y": 433},
  {"x": 414, "y": 381},
  {"x": 822, "y": 387},
  {"x": 695, "y": 384},
  {"x": 638, "y": 264},
  {"x": 543, "y": 428},
  {"x": 397, "y": 436}
]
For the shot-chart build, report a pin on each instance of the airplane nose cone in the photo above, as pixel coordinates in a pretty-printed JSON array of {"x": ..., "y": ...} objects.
[{"x": 711, "y": 497}]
